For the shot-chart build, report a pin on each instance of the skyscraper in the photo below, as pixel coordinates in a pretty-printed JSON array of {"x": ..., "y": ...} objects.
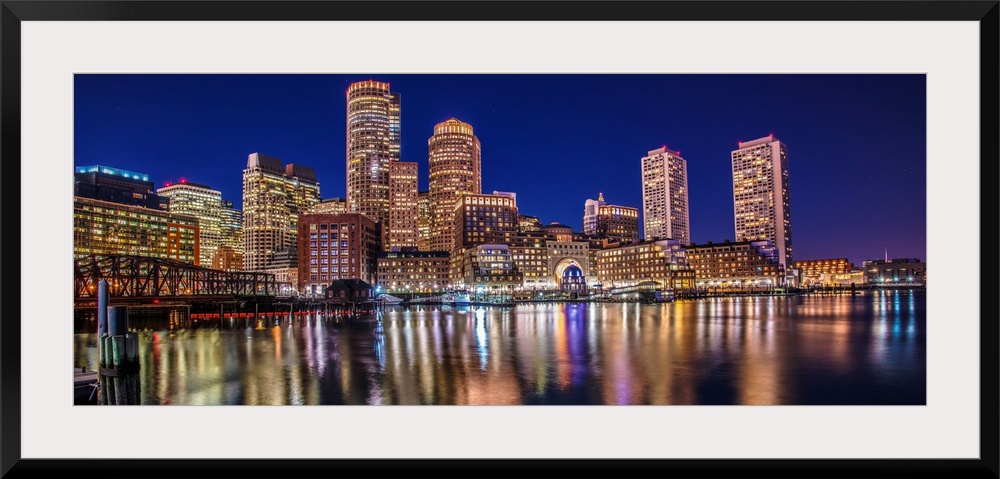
[
  {"x": 760, "y": 194},
  {"x": 404, "y": 211},
  {"x": 454, "y": 156},
  {"x": 424, "y": 221},
  {"x": 116, "y": 185},
  {"x": 590, "y": 214},
  {"x": 273, "y": 198},
  {"x": 373, "y": 141},
  {"x": 203, "y": 203},
  {"x": 665, "y": 196}
]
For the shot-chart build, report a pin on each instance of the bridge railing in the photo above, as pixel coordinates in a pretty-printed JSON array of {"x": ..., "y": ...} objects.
[{"x": 142, "y": 276}]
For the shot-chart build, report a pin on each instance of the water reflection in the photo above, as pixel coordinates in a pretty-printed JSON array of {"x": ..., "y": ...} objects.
[{"x": 864, "y": 349}]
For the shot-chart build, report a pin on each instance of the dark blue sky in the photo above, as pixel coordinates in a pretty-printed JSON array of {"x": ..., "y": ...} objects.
[{"x": 856, "y": 143}]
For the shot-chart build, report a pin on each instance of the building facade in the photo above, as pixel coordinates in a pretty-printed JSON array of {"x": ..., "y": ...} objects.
[
  {"x": 760, "y": 194},
  {"x": 274, "y": 196},
  {"x": 897, "y": 271},
  {"x": 372, "y": 144},
  {"x": 424, "y": 219},
  {"x": 231, "y": 230},
  {"x": 664, "y": 261},
  {"x": 481, "y": 219},
  {"x": 744, "y": 265},
  {"x": 403, "y": 229},
  {"x": 454, "y": 157},
  {"x": 104, "y": 227},
  {"x": 204, "y": 203},
  {"x": 665, "y": 196},
  {"x": 334, "y": 247},
  {"x": 528, "y": 224},
  {"x": 227, "y": 259},
  {"x": 531, "y": 257},
  {"x": 590, "y": 214},
  {"x": 823, "y": 271},
  {"x": 414, "y": 271},
  {"x": 330, "y": 206},
  {"x": 617, "y": 223},
  {"x": 488, "y": 268},
  {"x": 116, "y": 185}
]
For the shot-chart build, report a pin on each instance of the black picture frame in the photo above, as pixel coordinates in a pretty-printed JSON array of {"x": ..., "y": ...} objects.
[{"x": 12, "y": 13}]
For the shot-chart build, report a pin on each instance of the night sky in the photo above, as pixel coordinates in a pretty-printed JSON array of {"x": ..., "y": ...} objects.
[{"x": 856, "y": 143}]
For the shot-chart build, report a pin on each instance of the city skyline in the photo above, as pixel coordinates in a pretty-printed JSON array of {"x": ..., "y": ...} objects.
[{"x": 852, "y": 175}]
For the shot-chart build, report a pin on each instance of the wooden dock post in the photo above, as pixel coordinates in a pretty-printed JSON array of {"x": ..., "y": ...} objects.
[{"x": 118, "y": 350}]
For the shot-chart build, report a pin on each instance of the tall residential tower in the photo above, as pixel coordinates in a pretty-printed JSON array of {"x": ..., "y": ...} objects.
[
  {"x": 760, "y": 194},
  {"x": 454, "y": 157},
  {"x": 204, "y": 203},
  {"x": 273, "y": 198},
  {"x": 373, "y": 136},
  {"x": 665, "y": 196}
]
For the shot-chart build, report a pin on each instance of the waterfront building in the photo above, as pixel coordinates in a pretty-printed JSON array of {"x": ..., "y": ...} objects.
[
  {"x": 531, "y": 257},
  {"x": 665, "y": 196},
  {"x": 116, "y": 185},
  {"x": 414, "y": 271},
  {"x": 372, "y": 144},
  {"x": 486, "y": 268},
  {"x": 227, "y": 259},
  {"x": 333, "y": 247},
  {"x": 528, "y": 224},
  {"x": 760, "y": 195},
  {"x": 573, "y": 280},
  {"x": 897, "y": 271},
  {"x": 204, "y": 203},
  {"x": 481, "y": 219},
  {"x": 231, "y": 230},
  {"x": 274, "y": 196},
  {"x": 330, "y": 206},
  {"x": 617, "y": 223},
  {"x": 424, "y": 221},
  {"x": 590, "y": 214},
  {"x": 562, "y": 254},
  {"x": 402, "y": 230},
  {"x": 104, "y": 227},
  {"x": 664, "y": 261},
  {"x": 743, "y": 265},
  {"x": 559, "y": 232},
  {"x": 454, "y": 156},
  {"x": 823, "y": 271}
]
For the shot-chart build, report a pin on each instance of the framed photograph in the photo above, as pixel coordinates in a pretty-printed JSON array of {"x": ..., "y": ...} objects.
[{"x": 397, "y": 238}]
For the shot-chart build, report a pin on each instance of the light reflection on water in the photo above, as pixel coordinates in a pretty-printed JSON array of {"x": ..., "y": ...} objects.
[{"x": 864, "y": 349}]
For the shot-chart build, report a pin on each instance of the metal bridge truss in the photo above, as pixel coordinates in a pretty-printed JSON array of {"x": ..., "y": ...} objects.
[{"x": 139, "y": 276}]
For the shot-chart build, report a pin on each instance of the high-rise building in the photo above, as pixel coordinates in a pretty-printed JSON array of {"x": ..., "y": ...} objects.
[
  {"x": 104, "y": 227},
  {"x": 760, "y": 194},
  {"x": 204, "y": 203},
  {"x": 330, "y": 206},
  {"x": 335, "y": 247},
  {"x": 373, "y": 130},
  {"x": 273, "y": 198},
  {"x": 481, "y": 219},
  {"x": 116, "y": 185},
  {"x": 454, "y": 156},
  {"x": 617, "y": 223},
  {"x": 424, "y": 221},
  {"x": 231, "y": 230},
  {"x": 665, "y": 196},
  {"x": 590, "y": 214},
  {"x": 404, "y": 210}
]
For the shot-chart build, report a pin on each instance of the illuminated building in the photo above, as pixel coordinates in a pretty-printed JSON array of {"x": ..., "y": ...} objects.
[
  {"x": 372, "y": 143},
  {"x": 273, "y": 198},
  {"x": 481, "y": 219},
  {"x": 103, "y": 227},
  {"x": 562, "y": 254},
  {"x": 486, "y": 266},
  {"x": 203, "y": 203},
  {"x": 231, "y": 230},
  {"x": 743, "y": 265},
  {"x": 116, "y": 185},
  {"x": 573, "y": 280},
  {"x": 664, "y": 261},
  {"x": 454, "y": 156},
  {"x": 531, "y": 257},
  {"x": 823, "y": 271},
  {"x": 414, "y": 271},
  {"x": 424, "y": 221},
  {"x": 285, "y": 268},
  {"x": 333, "y": 247},
  {"x": 528, "y": 224},
  {"x": 227, "y": 259},
  {"x": 665, "y": 196},
  {"x": 897, "y": 271},
  {"x": 617, "y": 223},
  {"x": 760, "y": 194},
  {"x": 590, "y": 214},
  {"x": 558, "y": 231},
  {"x": 404, "y": 210},
  {"x": 330, "y": 206}
]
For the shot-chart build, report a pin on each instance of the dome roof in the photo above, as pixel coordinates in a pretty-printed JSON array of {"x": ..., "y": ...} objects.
[{"x": 573, "y": 271}]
